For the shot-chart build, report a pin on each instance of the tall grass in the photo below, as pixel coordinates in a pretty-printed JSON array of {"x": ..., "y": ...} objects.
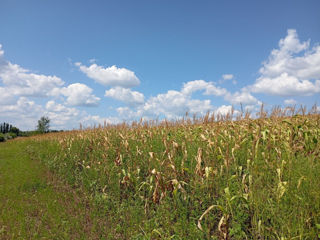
[{"x": 209, "y": 178}]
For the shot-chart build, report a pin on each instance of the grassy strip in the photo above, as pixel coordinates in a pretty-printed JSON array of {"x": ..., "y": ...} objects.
[{"x": 34, "y": 204}]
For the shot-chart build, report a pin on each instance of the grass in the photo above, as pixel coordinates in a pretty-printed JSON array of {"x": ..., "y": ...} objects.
[
  {"x": 205, "y": 178},
  {"x": 34, "y": 204}
]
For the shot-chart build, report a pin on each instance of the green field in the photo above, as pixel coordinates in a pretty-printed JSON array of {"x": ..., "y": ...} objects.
[{"x": 200, "y": 179}]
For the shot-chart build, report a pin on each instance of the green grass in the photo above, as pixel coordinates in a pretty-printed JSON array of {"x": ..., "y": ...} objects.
[{"x": 34, "y": 204}]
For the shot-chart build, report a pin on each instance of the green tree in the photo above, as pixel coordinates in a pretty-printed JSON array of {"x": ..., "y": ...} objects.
[
  {"x": 2, "y": 138},
  {"x": 43, "y": 124},
  {"x": 15, "y": 130}
]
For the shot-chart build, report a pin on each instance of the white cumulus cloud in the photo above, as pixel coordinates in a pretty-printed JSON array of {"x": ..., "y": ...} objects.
[
  {"x": 292, "y": 69},
  {"x": 1, "y": 51},
  {"x": 225, "y": 110},
  {"x": 227, "y": 76},
  {"x": 132, "y": 98},
  {"x": 171, "y": 105},
  {"x": 286, "y": 85},
  {"x": 60, "y": 115},
  {"x": 23, "y": 113},
  {"x": 65, "y": 117},
  {"x": 198, "y": 85},
  {"x": 110, "y": 76},
  {"x": 18, "y": 84},
  {"x": 175, "y": 104},
  {"x": 241, "y": 97},
  {"x": 95, "y": 120},
  {"x": 290, "y": 101},
  {"x": 6, "y": 98},
  {"x": 22, "y": 82},
  {"x": 79, "y": 94}
]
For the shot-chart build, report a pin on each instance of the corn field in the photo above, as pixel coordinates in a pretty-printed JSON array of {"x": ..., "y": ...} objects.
[{"x": 203, "y": 178}]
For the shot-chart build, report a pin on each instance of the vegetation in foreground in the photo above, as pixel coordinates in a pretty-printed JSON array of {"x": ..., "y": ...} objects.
[
  {"x": 195, "y": 179},
  {"x": 35, "y": 204}
]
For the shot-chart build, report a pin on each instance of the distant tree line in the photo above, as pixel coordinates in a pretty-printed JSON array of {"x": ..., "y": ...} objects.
[
  {"x": 7, "y": 131},
  {"x": 7, "y": 128}
]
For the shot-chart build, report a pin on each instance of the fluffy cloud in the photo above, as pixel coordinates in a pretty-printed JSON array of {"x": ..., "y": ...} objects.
[
  {"x": 1, "y": 51},
  {"x": 6, "y": 98},
  {"x": 227, "y": 76},
  {"x": 79, "y": 94},
  {"x": 94, "y": 120},
  {"x": 18, "y": 83},
  {"x": 198, "y": 85},
  {"x": 25, "y": 113},
  {"x": 171, "y": 105},
  {"x": 110, "y": 76},
  {"x": 61, "y": 115},
  {"x": 53, "y": 107},
  {"x": 132, "y": 98},
  {"x": 22, "y": 82},
  {"x": 291, "y": 70},
  {"x": 22, "y": 113},
  {"x": 224, "y": 110},
  {"x": 126, "y": 113},
  {"x": 174, "y": 104},
  {"x": 23, "y": 105},
  {"x": 64, "y": 117},
  {"x": 286, "y": 85},
  {"x": 290, "y": 102},
  {"x": 242, "y": 97}
]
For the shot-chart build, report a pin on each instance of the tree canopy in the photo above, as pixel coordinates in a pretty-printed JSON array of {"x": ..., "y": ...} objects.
[{"x": 43, "y": 124}]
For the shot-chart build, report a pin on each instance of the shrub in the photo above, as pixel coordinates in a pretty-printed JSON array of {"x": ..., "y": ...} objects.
[
  {"x": 2, "y": 139},
  {"x": 7, "y": 136},
  {"x": 15, "y": 130},
  {"x": 12, "y": 135}
]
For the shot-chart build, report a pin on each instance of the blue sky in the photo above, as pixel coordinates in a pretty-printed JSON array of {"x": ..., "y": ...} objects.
[{"x": 94, "y": 61}]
